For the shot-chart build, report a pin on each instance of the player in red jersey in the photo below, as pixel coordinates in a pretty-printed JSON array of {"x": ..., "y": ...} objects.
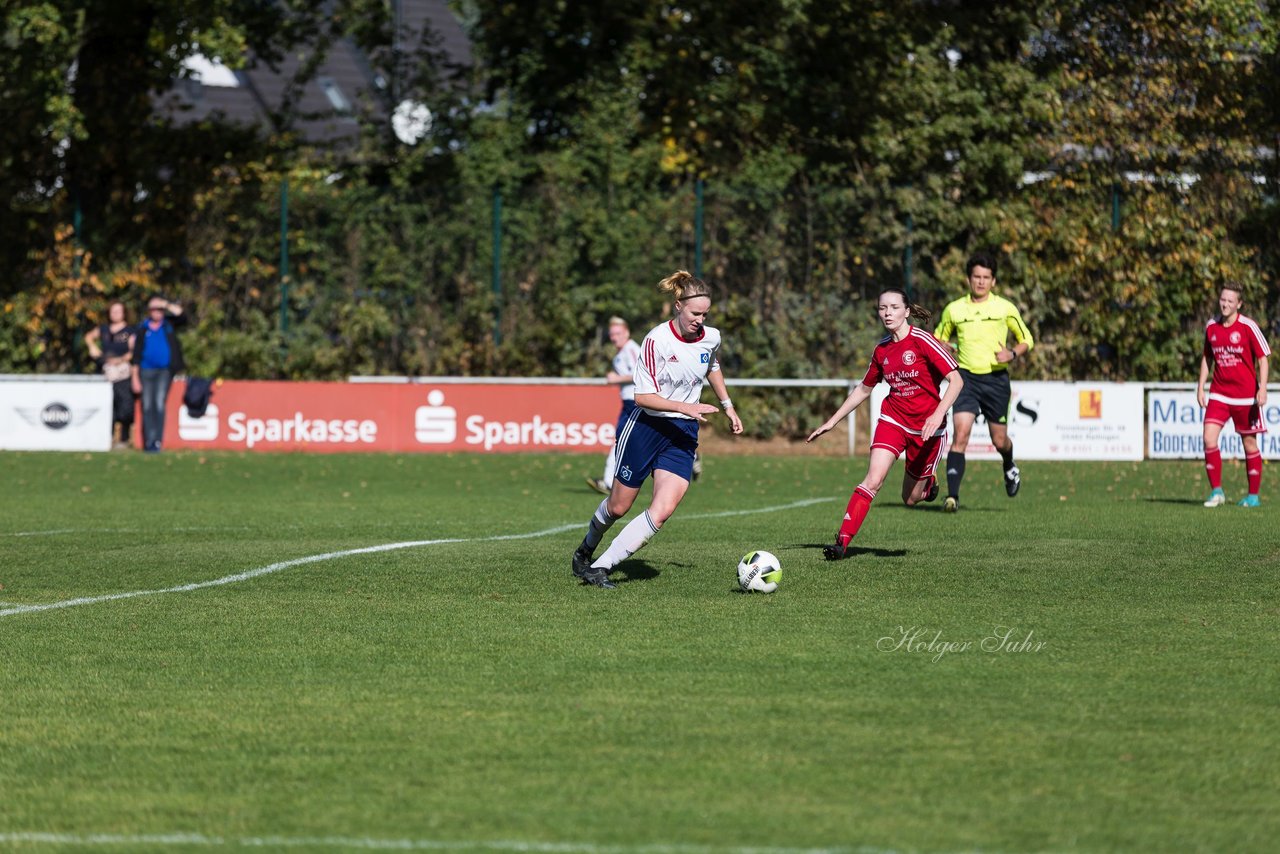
[
  {"x": 914, "y": 415},
  {"x": 1238, "y": 350}
]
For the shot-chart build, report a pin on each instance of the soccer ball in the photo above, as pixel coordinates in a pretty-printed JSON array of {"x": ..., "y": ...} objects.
[{"x": 759, "y": 572}]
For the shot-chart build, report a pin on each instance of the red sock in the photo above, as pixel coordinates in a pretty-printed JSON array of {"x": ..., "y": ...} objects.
[
  {"x": 1253, "y": 468},
  {"x": 859, "y": 504},
  {"x": 1213, "y": 467}
]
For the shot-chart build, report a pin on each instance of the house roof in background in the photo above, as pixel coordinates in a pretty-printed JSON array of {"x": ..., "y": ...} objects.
[{"x": 343, "y": 85}]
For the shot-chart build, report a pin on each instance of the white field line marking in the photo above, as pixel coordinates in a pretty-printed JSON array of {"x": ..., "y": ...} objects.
[
  {"x": 387, "y": 547},
  {"x": 199, "y": 839},
  {"x": 58, "y": 531}
]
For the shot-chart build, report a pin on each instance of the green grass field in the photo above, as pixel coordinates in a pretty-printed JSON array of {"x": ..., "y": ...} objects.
[{"x": 465, "y": 693}]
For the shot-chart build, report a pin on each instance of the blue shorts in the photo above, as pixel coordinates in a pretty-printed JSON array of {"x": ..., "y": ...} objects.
[
  {"x": 647, "y": 443},
  {"x": 628, "y": 406}
]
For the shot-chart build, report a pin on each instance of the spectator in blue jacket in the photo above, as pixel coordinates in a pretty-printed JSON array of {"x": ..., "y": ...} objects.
[{"x": 157, "y": 358}]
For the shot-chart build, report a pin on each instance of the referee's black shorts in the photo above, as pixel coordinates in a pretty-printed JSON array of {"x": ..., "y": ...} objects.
[{"x": 987, "y": 394}]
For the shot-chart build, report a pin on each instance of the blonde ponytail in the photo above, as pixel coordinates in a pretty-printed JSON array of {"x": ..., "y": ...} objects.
[{"x": 684, "y": 285}]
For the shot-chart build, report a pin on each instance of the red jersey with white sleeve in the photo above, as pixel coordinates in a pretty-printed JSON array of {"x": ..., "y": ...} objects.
[
  {"x": 1234, "y": 351},
  {"x": 914, "y": 368},
  {"x": 675, "y": 367}
]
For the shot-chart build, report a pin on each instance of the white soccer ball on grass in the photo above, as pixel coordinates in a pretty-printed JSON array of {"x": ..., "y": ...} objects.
[{"x": 759, "y": 572}]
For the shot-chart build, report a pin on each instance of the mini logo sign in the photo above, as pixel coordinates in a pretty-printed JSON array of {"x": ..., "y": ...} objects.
[{"x": 55, "y": 416}]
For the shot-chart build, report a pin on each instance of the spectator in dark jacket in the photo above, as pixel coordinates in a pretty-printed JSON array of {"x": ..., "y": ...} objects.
[{"x": 157, "y": 357}]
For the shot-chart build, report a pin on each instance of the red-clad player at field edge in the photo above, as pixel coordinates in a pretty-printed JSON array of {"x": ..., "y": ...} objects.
[
  {"x": 1238, "y": 350},
  {"x": 913, "y": 417}
]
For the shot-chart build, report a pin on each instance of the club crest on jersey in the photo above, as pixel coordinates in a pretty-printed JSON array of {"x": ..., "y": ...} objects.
[
  {"x": 1234, "y": 337},
  {"x": 705, "y": 358},
  {"x": 909, "y": 357}
]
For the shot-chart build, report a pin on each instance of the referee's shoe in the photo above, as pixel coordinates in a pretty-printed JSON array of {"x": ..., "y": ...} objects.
[{"x": 1012, "y": 481}]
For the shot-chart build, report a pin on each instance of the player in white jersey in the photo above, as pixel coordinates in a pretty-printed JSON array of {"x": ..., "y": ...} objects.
[
  {"x": 661, "y": 435},
  {"x": 622, "y": 375}
]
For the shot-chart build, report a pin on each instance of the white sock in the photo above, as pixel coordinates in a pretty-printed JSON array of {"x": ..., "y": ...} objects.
[
  {"x": 631, "y": 540},
  {"x": 610, "y": 465}
]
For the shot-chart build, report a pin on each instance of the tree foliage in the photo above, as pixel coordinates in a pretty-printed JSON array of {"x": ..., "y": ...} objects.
[{"x": 1119, "y": 158}]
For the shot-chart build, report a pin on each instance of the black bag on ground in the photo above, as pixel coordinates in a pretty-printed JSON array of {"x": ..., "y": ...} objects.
[{"x": 196, "y": 397}]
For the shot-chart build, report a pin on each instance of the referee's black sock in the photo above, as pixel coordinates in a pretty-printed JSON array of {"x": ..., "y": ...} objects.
[{"x": 955, "y": 473}]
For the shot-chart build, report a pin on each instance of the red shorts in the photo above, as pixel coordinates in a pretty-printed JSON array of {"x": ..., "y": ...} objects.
[
  {"x": 922, "y": 454},
  {"x": 1247, "y": 418}
]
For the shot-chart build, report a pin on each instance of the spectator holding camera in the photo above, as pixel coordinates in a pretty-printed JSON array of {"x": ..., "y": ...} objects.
[{"x": 157, "y": 358}]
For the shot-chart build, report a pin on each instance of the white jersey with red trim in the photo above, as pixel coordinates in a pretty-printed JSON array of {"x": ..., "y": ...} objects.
[
  {"x": 1234, "y": 351},
  {"x": 624, "y": 365},
  {"x": 675, "y": 367}
]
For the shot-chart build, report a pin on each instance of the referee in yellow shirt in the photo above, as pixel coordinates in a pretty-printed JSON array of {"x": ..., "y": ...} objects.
[{"x": 981, "y": 322}]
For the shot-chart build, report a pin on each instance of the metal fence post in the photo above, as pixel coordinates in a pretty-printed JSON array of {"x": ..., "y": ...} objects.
[
  {"x": 907, "y": 259},
  {"x": 284, "y": 257},
  {"x": 697, "y": 228},
  {"x": 497, "y": 265}
]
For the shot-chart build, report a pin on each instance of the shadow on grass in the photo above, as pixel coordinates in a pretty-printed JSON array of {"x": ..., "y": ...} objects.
[
  {"x": 633, "y": 570},
  {"x": 1185, "y": 502},
  {"x": 853, "y": 550},
  {"x": 936, "y": 507}
]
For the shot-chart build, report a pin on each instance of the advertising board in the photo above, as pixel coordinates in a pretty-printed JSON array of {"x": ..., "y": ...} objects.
[
  {"x": 1175, "y": 429},
  {"x": 345, "y": 417},
  {"x": 39, "y": 413},
  {"x": 1062, "y": 421}
]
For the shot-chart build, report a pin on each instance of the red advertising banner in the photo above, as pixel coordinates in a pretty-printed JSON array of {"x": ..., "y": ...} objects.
[{"x": 400, "y": 417}]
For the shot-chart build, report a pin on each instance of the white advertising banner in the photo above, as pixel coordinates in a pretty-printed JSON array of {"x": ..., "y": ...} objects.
[
  {"x": 1175, "y": 431},
  {"x": 1061, "y": 421},
  {"x": 41, "y": 414}
]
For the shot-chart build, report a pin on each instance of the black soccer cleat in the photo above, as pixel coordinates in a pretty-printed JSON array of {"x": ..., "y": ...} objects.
[
  {"x": 836, "y": 551},
  {"x": 583, "y": 569},
  {"x": 581, "y": 563},
  {"x": 933, "y": 491},
  {"x": 1012, "y": 481},
  {"x": 599, "y": 578}
]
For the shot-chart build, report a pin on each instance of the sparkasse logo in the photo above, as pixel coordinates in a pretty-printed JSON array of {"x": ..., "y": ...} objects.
[{"x": 202, "y": 429}]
